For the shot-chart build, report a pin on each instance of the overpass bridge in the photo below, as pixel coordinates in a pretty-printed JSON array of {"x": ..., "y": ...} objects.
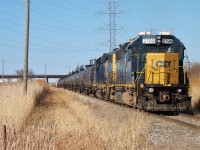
[{"x": 40, "y": 76}]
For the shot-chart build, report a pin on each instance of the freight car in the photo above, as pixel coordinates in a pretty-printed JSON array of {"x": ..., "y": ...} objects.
[{"x": 147, "y": 72}]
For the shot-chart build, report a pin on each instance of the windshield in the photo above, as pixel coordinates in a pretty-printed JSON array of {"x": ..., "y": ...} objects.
[{"x": 157, "y": 48}]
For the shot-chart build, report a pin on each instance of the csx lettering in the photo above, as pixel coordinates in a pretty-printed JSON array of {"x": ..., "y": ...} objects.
[{"x": 163, "y": 63}]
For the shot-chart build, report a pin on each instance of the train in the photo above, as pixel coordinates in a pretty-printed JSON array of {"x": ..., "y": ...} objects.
[{"x": 149, "y": 72}]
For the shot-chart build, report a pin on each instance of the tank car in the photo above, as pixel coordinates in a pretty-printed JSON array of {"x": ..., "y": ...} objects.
[
  {"x": 85, "y": 79},
  {"x": 80, "y": 80}
]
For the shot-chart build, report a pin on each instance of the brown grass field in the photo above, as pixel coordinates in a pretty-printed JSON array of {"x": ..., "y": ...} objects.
[
  {"x": 195, "y": 85},
  {"x": 59, "y": 120}
]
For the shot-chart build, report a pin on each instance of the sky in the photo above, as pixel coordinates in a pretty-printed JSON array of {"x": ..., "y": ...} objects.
[{"x": 68, "y": 33}]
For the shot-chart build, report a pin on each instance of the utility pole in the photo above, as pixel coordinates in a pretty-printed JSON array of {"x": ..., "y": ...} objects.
[
  {"x": 25, "y": 73},
  {"x": 112, "y": 27},
  {"x": 69, "y": 69},
  {"x": 45, "y": 69},
  {"x": 2, "y": 69}
]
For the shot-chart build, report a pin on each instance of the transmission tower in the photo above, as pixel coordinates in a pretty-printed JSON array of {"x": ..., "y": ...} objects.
[{"x": 112, "y": 11}]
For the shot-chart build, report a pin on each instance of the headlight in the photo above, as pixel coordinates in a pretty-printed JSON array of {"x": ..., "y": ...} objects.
[
  {"x": 179, "y": 90},
  {"x": 158, "y": 37},
  {"x": 151, "y": 90}
]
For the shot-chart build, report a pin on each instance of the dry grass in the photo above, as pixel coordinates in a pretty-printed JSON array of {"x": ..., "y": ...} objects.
[
  {"x": 15, "y": 106},
  {"x": 61, "y": 121},
  {"x": 195, "y": 85},
  {"x": 87, "y": 131}
]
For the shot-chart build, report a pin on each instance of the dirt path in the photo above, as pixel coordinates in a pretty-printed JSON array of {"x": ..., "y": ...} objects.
[
  {"x": 57, "y": 123},
  {"x": 44, "y": 122}
]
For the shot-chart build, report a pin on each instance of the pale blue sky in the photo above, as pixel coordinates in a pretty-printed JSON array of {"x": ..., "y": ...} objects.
[{"x": 64, "y": 33}]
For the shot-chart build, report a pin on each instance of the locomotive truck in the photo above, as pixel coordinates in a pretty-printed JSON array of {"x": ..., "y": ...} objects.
[{"x": 148, "y": 72}]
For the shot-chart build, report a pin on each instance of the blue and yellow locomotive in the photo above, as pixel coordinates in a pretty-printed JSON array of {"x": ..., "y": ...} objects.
[{"x": 148, "y": 72}]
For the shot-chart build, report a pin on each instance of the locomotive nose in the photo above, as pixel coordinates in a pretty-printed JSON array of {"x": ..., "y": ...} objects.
[{"x": 162, "y": 68}]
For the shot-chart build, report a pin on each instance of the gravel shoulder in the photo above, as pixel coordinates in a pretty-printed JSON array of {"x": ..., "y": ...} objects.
[{"x": 158, "y": 134}]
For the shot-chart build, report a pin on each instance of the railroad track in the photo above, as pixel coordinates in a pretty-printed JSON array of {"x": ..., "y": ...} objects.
[
  {"x": 192, "y": 121},
  {"x": 193, "y": 117},
  {"x": 184, "y": 120}
]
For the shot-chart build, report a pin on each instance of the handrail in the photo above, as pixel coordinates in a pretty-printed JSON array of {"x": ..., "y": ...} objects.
[{"x": 137, "y": 79}]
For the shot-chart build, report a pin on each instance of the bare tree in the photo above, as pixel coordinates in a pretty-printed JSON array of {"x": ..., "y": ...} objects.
[{"x": 20, "y": 74}]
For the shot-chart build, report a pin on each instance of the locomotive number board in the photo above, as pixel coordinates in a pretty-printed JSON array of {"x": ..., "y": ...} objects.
[{"x": 149, "y": 41}]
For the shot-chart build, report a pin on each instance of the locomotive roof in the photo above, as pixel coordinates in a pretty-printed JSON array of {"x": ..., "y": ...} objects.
[{"x": 158, "y": 39}]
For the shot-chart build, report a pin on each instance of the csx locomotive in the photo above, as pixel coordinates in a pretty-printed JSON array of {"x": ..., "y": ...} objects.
[{"x": 148, "y": 72}]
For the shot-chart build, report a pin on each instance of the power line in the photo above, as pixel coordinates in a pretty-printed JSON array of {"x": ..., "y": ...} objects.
[
  {"x": 35, "y": 65},
  {"x": 52, "y": 18},
  {"x": 54, "y": 42},
  {"x": 6, "y": 2},
  {"x": 47, "y": 25},
  {"x": 166, "y": 9},
  {"x": 41, "y": 50},
  {"x": 57, "y": 20},
  {"x": 52, "y": 31},
  {"x": 3, "y": 12},
  {"x": 65, "y": 8},
  {"x": 59, "y": 13}
]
